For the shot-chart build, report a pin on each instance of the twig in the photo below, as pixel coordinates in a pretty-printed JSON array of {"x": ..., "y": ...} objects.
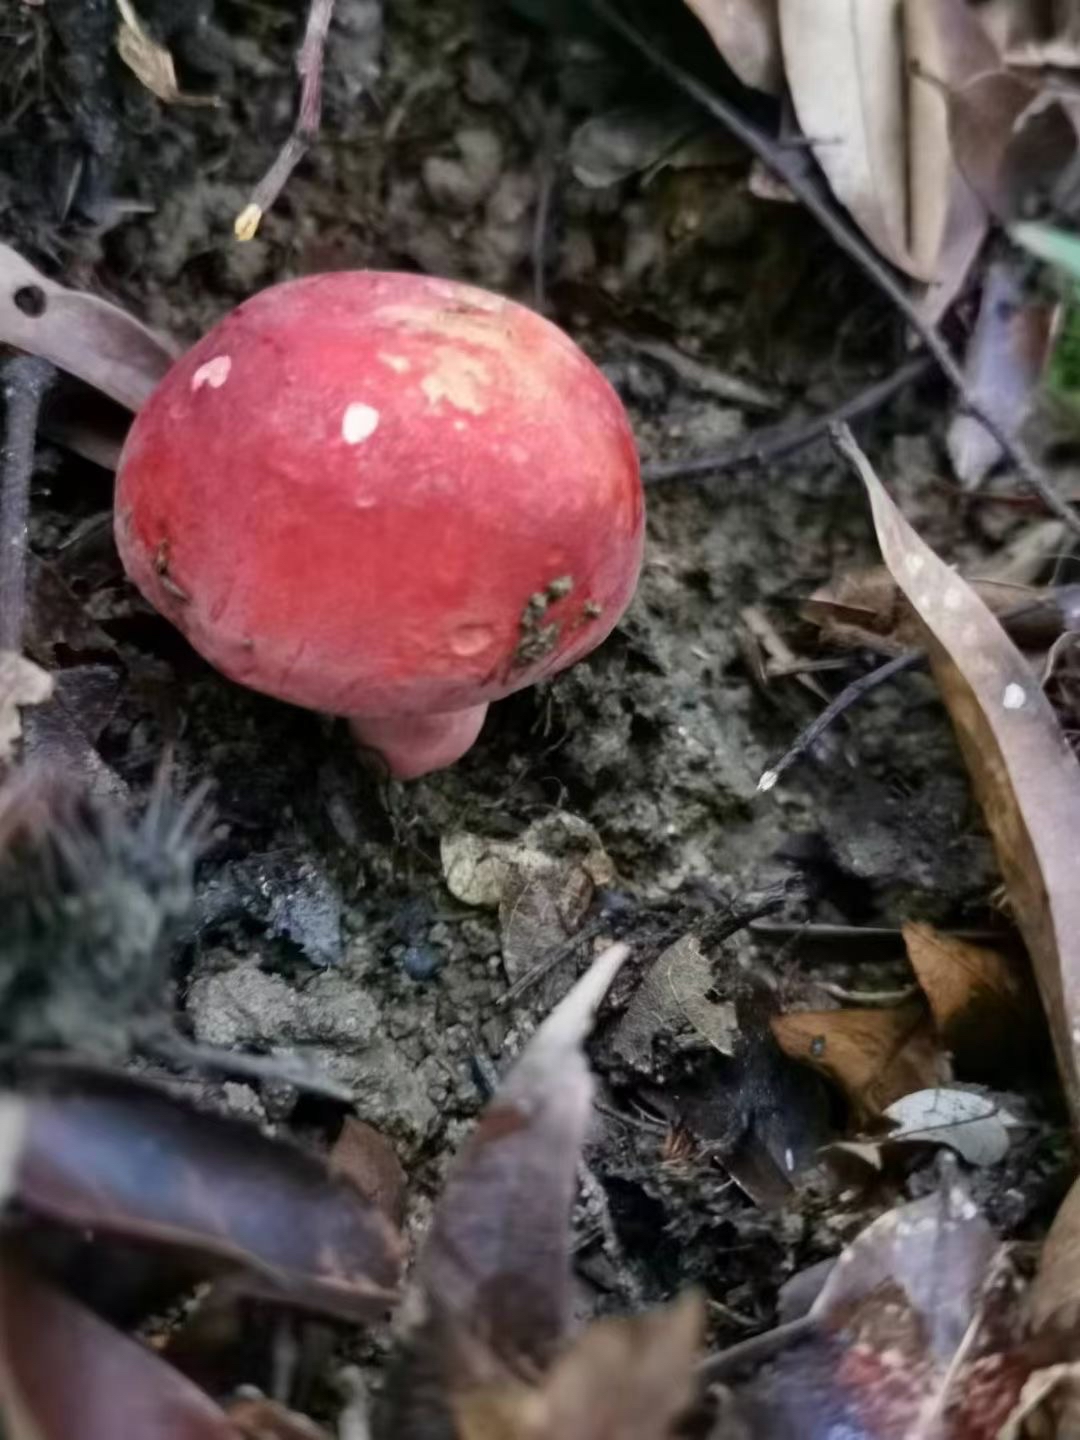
[
  {"x": 788, "y": 164},
  {"x": 857, "y": 934},
  {"x": 26, "y": 378},
  {"x": 549, "y": 170},
  {"x": 309, "y": 67},
  {"x": 551, "y": 961},
  {"x": 850, "y": 695},
  {"x": 774, "y": 441},
  {"x": 276, "y": 1069}
]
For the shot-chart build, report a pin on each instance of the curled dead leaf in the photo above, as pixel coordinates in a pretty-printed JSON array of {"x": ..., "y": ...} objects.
[
  {"x": 747, "y": 34},
  {"x": 1022, "y": 769},
  {"x": 65, "y": 1373},
  {"x": 985, "y": 1005},
  {"x": 873, "y": 1056}
]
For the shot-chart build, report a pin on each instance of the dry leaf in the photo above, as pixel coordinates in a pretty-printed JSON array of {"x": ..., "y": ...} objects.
[
  {"x": 845, "y": 66},
  {"x": 984, "y": 1004},
  {"x": 1054, "y": 1297},
  {"x": 622, "y": 1379},
  {"x": 1022, "y": 769},
  {"x": 64, "y": 1374},
  {"x": 494, "y": 1276},
  {"x": 257, "y": 1418},
  {"x": 150, "y": 61},
  {"x": 21, "y": 683},
  {"x": 874, "y": 1056},
  {"x": 110, "y": 1154},
  {"x": 915, "y": 1335},
  {"x": 369, "y": 1161},
  {"x": 1005, "y": 360},
  {"x": 747, "y": 34},
  {"x": 945, "y": 47},
  {"x": 972, "y": 1124},
  {"x": 88, "y": 337}
]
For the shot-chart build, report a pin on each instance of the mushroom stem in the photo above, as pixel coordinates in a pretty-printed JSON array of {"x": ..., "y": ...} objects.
[{"x": 413, "y": 745}]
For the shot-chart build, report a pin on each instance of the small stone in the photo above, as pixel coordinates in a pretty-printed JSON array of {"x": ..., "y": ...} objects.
[{"x": 421, "y": 962}]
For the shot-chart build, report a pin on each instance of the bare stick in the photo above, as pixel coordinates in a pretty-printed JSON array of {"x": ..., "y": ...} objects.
[
  {"x": 309, "y": 67},
  {"x": 773, "y": 441},
  {"x": 849, "y": 696},
  {"x": 26, "y": 379},
  {"x": 789, "y": 165}
]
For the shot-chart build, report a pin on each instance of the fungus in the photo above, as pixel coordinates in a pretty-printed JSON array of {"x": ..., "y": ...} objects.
[{"x": 387, "y": 497}]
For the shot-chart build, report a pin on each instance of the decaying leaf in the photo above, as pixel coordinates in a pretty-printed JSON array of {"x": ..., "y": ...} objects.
[
  {"x": 844, "y": 64},
  {"x": 915, "y": 1334},
  {"x": 873, "y": 1056},
  {"x": 1006, "y": 357},
  {"x": 1023, "y": 771},
  {"x": 21, "y": 683},
  {"x": 108, "y": 1154},
  {"x": 541, "y": 883},
  {"x": 493, "y": 1280},
  {"x": 82, "y": 334},
  {"x": 972, "y": 1124},
  {"x": 984, "y": 1004},
  {"x": 747, "y": 34},
  {"x": 369, "y": 1161},
  {"x": 622, "y": 1379},
  {"x": 150, "y": 61},
  {"x": 1054, "y": 1297},
  {"x": 675, "y": 991},
  {"x": 257, "y": 1418},
  {"x": 944, "y": 48},
  {"x": 65, "y": 1373},
  {"x": 610, "y": 147}
]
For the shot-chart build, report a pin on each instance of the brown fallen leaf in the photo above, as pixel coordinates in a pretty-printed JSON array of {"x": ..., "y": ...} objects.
[
  {"x": 493, "y": 1280},
  {"x": 1054, "y": 1298},
  {"x": 1006, "y": 357},
  {"x": 150, "y": 61},
  {"x": 257, "y": 1418},
  {"x": 106, "y": 1153},
  {"x": 82, "y": 334},
  {"x": 1011, "y": 141},
  {"x": 985, "y": 1004},
  {"x": 368, "y": 1160},
  {"x": 622, "y": 1379},
  {"x": 845, "y": 67},
  {"x": 747, "y": 34},
  {"x": 873, "y": 1056},
  {"x": 65, "y": 1374},
  {"x": 915, "y": 1335},
  {"x": 944, "y": 48},
  {"x": 1023, "y": 772}
]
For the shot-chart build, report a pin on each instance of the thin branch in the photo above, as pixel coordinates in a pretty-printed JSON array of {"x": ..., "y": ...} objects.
[
  {"x": 789, "y": 165},
  {"x": 309, "y": 67},
  {"x": 773, "y": 441},
  {"x": 26, "y": 378},
  {"x": 899, "y": 665},
  {"x": 849, "y": 696}
]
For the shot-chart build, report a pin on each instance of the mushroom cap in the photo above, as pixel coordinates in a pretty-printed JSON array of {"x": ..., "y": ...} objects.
[{"x": 377, "y": 494}]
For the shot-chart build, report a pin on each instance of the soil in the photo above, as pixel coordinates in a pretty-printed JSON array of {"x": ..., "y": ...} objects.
[{"x": 324, "y": 927}]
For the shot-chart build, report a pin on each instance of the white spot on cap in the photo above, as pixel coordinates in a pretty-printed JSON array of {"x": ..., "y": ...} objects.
[
  {"x": 397, "y": 363},
  {"x": 359, "y": 422},
  {"x": 213, "y": 373},
  {"x": 768, "y": 780},
  {"x": 1014, "y": 697},
  {"x": 914, "y": 563}
]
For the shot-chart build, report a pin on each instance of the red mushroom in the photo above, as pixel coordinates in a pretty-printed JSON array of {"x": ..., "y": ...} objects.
[{"x": 387, "y": 497}]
